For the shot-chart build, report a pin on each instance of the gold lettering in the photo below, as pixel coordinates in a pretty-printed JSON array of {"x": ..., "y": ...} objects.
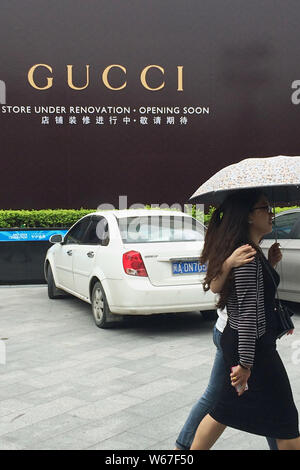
[
  {"x": 70, "y": 78},
  {"x": 31, "y": 80},
  {"x": 105, "y": 77},
  {"x": 180, "y": 77},
  {"x": 144, "y": 81}
]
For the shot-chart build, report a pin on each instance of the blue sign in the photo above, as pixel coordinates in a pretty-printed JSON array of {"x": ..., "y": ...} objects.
[{"x": 29, "y": 236}]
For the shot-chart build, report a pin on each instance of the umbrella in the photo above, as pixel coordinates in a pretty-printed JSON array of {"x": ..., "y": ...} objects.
[{"x": 278, "y": 177}]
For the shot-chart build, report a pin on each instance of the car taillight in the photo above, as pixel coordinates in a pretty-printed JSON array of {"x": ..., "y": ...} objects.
[{"x": 133, "y": 264}]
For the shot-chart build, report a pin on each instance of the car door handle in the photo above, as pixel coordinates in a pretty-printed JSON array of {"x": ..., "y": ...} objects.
[
  {"x": 69, "y": 252},
  {"x": 91, "y": 254}
]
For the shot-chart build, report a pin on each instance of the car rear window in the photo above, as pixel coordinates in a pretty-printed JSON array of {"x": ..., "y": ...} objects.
[{"x": 151, "y": 229}]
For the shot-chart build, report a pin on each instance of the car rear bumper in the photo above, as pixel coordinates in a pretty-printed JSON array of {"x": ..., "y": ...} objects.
[
  {"x": 137, "y": 296},
  {"x": 290, "y": 296}
]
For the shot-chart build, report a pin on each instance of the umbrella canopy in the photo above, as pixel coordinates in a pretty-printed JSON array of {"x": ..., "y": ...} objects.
[{"x": 278, "y": 177}]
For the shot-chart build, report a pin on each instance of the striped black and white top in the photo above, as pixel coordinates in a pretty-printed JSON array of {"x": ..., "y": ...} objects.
[{"x": 246, "y": 310}]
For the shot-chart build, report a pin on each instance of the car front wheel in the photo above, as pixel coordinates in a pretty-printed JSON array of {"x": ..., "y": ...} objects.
[{"x": 100, "y": 308}]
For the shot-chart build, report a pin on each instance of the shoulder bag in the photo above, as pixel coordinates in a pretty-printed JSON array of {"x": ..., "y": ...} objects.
[{"x": 284, "y": 313}]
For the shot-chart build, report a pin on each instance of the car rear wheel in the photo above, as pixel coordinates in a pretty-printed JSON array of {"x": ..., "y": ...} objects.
[
  {"x": 209, "y": 315},
  {"x": 53, "y": 291},
  {"x": 100, "y": 308}
]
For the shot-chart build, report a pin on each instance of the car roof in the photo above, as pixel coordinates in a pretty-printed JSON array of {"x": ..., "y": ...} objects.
[
  {"x": 140, "y": 212},
  {"x": 297, "y": 209}
]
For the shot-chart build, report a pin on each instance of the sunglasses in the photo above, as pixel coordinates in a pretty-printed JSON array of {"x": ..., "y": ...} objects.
[{"x": 268, "y": 208}]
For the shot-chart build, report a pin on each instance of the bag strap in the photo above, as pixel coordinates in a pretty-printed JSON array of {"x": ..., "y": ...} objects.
[{"x": 265, "y": 263}]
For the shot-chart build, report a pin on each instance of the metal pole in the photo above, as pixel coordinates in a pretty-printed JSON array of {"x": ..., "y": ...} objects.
[{"x": 274, "y": 218}]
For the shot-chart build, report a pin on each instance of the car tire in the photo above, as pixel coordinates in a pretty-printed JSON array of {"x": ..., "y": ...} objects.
[
  {"x": 209, "y": 315},
  {"x": 53, "y": 291},
  {"x": 101, "y": 313}
]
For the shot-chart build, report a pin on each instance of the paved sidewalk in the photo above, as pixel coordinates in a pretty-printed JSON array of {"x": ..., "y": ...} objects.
[{"x": 67, "y": 384}]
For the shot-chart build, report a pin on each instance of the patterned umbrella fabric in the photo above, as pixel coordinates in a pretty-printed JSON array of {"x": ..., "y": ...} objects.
[{"x": 278, "y": 177}]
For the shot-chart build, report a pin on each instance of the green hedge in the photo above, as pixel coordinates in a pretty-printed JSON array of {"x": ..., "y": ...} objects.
[
  {"x": 199, "y": 215},
  {"x": 41, "y": 218},
  {"x": 67, "y": 217}
]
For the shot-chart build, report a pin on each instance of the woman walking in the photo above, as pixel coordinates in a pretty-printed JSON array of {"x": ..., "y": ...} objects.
[
  {"x": 210, "y": 397},
  {"x": 249, "y": 338}
]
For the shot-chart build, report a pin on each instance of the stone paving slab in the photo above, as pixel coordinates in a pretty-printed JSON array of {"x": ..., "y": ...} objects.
[{"x": 67, "y": 384}]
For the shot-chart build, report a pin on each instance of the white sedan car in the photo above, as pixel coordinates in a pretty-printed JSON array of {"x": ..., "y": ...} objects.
[
  {"x": 131, "y": 262},
  {"x": 288, "y": 235}
]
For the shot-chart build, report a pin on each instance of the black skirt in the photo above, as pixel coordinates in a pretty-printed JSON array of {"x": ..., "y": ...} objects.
[{"x": 267, "y": 408}]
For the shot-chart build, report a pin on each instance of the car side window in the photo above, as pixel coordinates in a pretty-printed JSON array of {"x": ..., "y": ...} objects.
[
  {"x": 76, "y": 234},
  {"x": 284, "y": 225},
  {"x": 97, "y": 233}
]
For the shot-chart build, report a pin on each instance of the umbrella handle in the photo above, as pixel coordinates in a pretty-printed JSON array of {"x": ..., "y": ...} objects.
[{"x": 275, "y": 229}]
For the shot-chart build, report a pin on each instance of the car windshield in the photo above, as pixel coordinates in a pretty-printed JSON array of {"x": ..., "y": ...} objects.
[
  {"x": 160, "y": 228},
  {"x": 284, "y": 226}
]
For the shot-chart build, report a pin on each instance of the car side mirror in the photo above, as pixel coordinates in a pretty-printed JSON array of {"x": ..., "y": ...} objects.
[{"x": 56, "y": 238}]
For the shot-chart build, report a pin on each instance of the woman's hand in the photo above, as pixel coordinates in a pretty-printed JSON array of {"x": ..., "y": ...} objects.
[
  {"x": 240, "y": 376},
  {"x": 242, "y": 255},
  {"x": 274, "y": 254}
]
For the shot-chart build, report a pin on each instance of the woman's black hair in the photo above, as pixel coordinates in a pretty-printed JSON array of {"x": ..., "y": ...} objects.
[{"x": 228, "y": 229}]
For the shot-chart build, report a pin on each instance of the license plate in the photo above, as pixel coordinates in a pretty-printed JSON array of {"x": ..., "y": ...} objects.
[{"x": 188, "y": 267}]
